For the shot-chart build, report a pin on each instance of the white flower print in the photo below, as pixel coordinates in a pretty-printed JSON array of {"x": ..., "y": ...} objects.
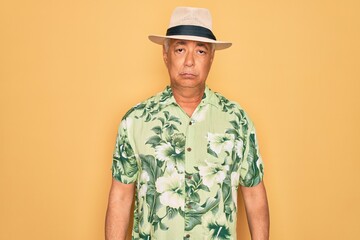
[
  {"x": 239, "y": 145},
  {"x": 172, "y": 190},
  {"x": 200, "y": 113},
  {"x": 172, "y": 152},
  {"x": 143, "y": 190},
  {"x": 213, "y": 173},
  {"x": 218, "y": 142},
  {"x": 199, "y": 192},
  {"x": 144, "y": 178},
  {"x": 163, "y": 151}
]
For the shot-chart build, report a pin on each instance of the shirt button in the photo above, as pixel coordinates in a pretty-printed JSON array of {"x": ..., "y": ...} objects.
[
  {"x": 190, "y": 123},
  {"x": 187, "y": 235},
  {"x": 189, "y": 149}
]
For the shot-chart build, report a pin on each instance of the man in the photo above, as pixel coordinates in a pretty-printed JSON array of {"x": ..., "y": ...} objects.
[{"x": 185, "y": 152}]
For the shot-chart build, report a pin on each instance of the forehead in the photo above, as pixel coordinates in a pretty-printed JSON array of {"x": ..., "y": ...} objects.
[{"x": 176, "y": 42}]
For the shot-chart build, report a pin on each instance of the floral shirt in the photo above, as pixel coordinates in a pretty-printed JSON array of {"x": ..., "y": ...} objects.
[{"x": 187, "y": 169}]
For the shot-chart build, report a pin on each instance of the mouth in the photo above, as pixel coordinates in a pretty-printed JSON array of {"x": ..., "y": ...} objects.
[{"x": 188, "y": 75}]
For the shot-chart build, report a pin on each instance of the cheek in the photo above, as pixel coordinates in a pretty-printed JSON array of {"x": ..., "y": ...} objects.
[
  {"x": 174, "y": 65},
  {"x": 205, "y": 67},
  {"x": 173, "y": 70}
]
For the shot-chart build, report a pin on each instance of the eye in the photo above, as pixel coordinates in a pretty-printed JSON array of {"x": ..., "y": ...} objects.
[
  {"x": 202, "y": 52},
  {"x": 179, "y": 50}
]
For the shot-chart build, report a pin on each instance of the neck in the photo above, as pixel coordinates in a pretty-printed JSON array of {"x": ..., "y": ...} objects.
[{"x": 188, "y": 98}]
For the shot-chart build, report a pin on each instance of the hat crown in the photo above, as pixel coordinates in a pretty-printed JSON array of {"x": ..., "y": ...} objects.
[
  {"x": 192, "y": 24},
  {"x": 191, "y": 16}
]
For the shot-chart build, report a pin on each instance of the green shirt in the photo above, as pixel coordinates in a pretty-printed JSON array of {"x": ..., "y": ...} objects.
[{"x": 187, "y": 169}]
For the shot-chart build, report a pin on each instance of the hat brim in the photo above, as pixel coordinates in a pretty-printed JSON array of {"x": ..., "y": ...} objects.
[{"x": 219, "y": 45}]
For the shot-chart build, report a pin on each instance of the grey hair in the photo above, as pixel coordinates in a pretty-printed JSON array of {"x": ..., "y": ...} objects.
[{"x": 166, "y": 45}]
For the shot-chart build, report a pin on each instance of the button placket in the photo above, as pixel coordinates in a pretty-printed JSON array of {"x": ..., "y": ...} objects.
[{"x": 189, "y": 152}]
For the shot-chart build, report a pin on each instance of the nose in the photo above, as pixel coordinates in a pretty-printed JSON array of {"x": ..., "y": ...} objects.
[{"x": 189, "y": 60}]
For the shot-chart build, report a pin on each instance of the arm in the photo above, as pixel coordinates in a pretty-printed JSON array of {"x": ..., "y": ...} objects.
[
  {"x": 118, "y": 211},
  {"x": 257, "y": 211}
]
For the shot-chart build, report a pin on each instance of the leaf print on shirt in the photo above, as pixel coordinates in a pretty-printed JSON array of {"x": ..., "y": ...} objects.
[
  {"x": 152, "y": 196},
  {"x": 228, "y": 203},
  {"x": 193, "y": 185},
  {"x": 165, "y": 130},
  {"x": 169, "y": 146},
  {"x": 169, "y": 123},
  {"x": 172, "y": 152},
  {"x": 227, "y": 106},
  {"x": 145, "y": 232},
  {"x": 216, "y": 227},
  {"x": 124, "y": 162},
  {"x": 157, "y": 131},
  {"x": 166, "y": 94},
  {"x": 149, "y": 110},
  {"x": 253, "y": 172},
  {"x": 194, "y": 215}
]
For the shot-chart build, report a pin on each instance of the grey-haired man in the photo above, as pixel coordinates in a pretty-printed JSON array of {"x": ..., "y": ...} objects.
[{"x": 184, "y": 152}]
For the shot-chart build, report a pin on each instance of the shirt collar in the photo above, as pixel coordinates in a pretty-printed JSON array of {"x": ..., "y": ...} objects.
[{"x": 209, "y": 97}]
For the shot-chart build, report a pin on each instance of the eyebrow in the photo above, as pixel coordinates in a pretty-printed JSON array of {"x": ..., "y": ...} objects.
[
  {"x": 200, "y": 44},
  {"x": 179, "y": 42}
]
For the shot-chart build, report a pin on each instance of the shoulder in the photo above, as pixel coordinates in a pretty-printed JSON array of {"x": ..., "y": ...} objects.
[
  {"x": 231, "y": 107},
  {"x": 227, "y": 105},
  {"x": 149, "y": 106}
]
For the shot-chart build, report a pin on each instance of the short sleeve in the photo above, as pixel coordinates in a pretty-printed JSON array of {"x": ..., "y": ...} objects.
[
  {"x": 251, "y": 168},
  {"x": 124, "y": 166}
]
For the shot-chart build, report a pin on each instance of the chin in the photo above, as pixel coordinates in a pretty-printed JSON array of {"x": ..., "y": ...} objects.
[{"x": 189, "y": 84}]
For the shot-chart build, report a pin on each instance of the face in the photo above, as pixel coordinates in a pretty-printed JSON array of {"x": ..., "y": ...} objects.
[{"x": 188, "y": 63}]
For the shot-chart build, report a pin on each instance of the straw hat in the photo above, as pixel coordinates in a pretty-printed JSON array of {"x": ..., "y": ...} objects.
[{"x": 189, "y": 23}]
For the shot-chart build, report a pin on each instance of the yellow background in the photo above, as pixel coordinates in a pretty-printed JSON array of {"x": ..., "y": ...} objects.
[{"x": 70, "y": 69}]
